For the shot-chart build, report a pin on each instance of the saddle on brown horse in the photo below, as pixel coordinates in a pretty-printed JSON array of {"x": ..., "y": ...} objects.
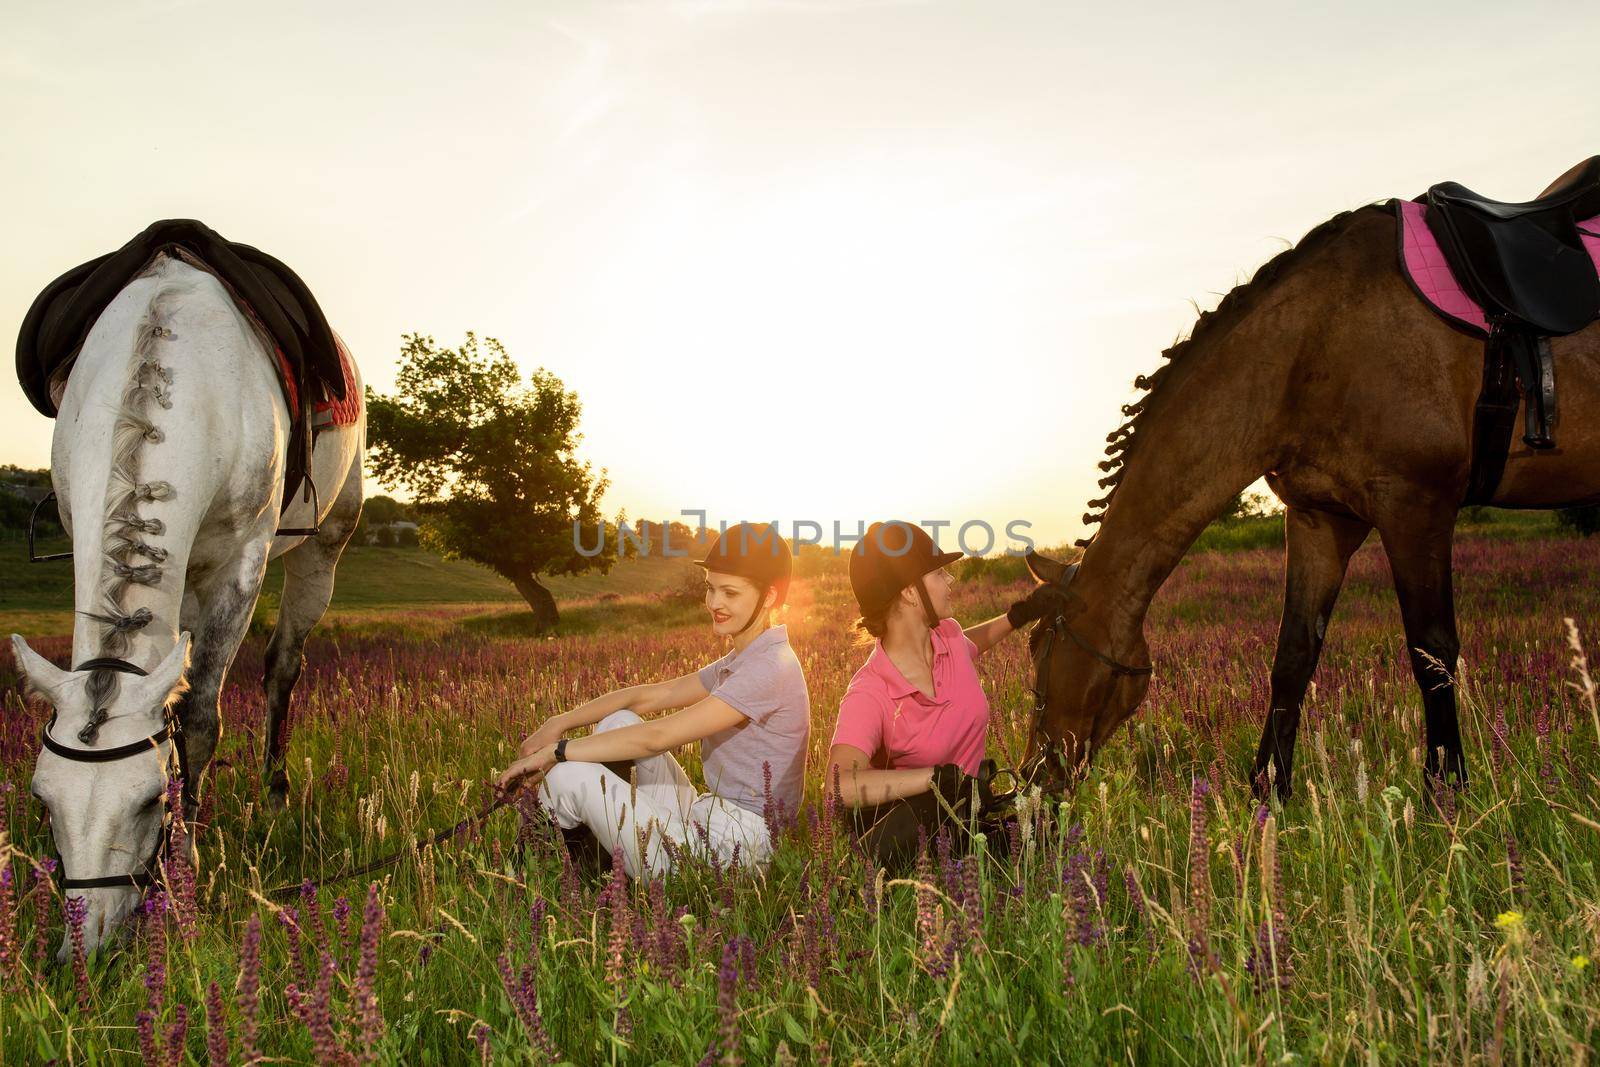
[
  {"x": 1528, "y": 268},
  {"x": 1514, "y": 274},
  {"x": 308, "y": 364}
]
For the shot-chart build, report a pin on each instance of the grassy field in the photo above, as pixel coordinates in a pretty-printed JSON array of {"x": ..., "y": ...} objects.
[{"x": 1159, "y": 915}]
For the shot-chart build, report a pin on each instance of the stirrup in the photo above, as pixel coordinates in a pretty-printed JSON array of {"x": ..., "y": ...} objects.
[{"x": 33, "y": 518}]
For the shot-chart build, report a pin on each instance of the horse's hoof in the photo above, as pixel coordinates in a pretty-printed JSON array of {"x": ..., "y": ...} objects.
[{"x": 278, "y": 796}]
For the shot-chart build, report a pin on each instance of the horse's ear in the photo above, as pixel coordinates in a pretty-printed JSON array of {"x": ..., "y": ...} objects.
[
  {"x": 40, "y": 677},
  {"x": 167, "y": 683},
  {"x": 1050, "y": 571}
]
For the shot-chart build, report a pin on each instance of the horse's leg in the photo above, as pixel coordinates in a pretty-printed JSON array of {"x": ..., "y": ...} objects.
[
  {"x": 307, "y": 588},
  {"x": 1419, "y": 554},
  {"x": 1319, "y": 547},
  {"x": 220, "y": 608}
]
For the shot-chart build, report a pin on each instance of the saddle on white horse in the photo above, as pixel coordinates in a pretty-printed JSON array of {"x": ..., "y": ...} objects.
[{"x": 312, "y": 365}]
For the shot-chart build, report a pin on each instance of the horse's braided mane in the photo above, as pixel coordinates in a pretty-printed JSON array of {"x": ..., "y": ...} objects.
[
  {"x": 129, "y": 558},
  {"x": 1237, "y": 303}
]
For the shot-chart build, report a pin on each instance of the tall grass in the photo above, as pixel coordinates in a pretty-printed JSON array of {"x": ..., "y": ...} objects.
[{"x": 1159, "y": 915}]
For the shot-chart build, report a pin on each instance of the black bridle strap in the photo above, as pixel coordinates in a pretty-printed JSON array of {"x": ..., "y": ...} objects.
[
  {"x": 112, "y": 663},
  {"x": 1116, "y": 668},
  {"x": 141, "y": 880},
  {"x": 105, "y": 755}
]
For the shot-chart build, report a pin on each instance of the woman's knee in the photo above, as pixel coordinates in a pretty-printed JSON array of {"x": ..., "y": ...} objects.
[{"x": 616, "y": 720}]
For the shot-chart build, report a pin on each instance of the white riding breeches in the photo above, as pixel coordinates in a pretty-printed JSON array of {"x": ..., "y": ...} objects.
[{"x": 661, "y": 803}]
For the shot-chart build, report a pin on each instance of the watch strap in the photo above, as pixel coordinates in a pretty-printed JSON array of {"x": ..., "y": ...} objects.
[{"x": 561, "y": 750}]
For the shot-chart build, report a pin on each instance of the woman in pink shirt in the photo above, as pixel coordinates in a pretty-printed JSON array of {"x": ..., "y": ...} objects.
[{"x": 912, "y": 724}]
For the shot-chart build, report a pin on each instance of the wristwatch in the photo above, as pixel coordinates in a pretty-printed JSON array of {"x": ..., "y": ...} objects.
[{"x": 561, "y": 750}]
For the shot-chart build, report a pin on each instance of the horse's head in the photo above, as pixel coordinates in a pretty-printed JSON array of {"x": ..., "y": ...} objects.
[
  {"x": 1082, "y": 693},
  {"x": 103, "y": 777}
]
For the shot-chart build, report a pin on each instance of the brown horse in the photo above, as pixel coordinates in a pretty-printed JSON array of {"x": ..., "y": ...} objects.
[{"x": 1328, "y": 376}]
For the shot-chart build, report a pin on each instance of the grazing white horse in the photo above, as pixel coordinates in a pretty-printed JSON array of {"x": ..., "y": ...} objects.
[{"x": 168, "y": 461}]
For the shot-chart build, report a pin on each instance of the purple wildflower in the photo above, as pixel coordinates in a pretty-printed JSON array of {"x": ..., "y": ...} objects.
[
  {"x": 735, "y": 952},
  {"x": 1268, "y": 961},
  {"x": 10, "y": 951},
  {"x": 289, "y": 919},
  {"x": 1199, "y": 879},
  {"x": 77, "y": 909},
  {"x": 179, "y": 869},
  {"x": 621, "y": 923},
  {"x": 769, "y": 810},
  {"x": 523, "y": 990},
  {"x": 216, "y": 1027},
  {"x": 144, "y": 1025},
  {"x": 1514, "y": 866},
  {"x": 341, "y": 923},
  {"x": 369, "y": 1013},
  {"x": 249, "y": 987},
  {"x": 176, "y": 1033},
  {"x": 315, "y": 1009},
  {"x": 155, "y": 969}
]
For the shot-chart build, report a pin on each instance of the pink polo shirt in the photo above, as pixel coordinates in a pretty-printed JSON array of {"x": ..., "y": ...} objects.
[{"x": 891, "y": 720}]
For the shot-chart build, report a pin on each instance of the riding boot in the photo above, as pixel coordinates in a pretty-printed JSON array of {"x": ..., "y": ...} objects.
[{"x": 584, "y": 849}]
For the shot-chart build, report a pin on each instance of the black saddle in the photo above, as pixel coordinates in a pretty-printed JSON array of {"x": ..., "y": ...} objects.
[
  {"x": 1527, "y": 267},
  {"x": 1524, "y": 263},
  {"x": 62, "y": 315}
]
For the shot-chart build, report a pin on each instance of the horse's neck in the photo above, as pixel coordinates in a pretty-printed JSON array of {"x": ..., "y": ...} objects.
[
  {"x": 1205, "y": 434},
  {"x": 128, "y": 455}
]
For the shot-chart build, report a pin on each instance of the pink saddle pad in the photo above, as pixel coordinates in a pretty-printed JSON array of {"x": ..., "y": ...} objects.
[{"x": 1424, "y": 264}]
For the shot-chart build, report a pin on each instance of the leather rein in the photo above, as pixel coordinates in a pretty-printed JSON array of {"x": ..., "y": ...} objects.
[{"x": 171, "y": 730}]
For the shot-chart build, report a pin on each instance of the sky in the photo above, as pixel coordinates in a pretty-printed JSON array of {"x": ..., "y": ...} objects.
[{"x": 800, "y": 259}]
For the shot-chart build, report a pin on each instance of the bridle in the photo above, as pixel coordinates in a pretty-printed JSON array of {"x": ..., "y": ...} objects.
[
  {"x": 170, "y": 731},
  {"x": 1058, "y": 628}
]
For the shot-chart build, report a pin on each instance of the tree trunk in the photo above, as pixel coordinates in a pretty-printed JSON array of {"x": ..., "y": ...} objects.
[{"x": 539, "y": 599}]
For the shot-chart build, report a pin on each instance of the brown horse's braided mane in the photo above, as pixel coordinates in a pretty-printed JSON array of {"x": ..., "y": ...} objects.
[{"x": 1234, "y": 305}]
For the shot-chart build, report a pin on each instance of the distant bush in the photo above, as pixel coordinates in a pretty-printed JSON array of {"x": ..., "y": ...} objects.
[
  {"x": 1235, "y": 535},
  {"x": 1584, "y": 521}
]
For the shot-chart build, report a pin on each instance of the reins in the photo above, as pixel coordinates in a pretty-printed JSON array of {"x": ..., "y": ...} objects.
[{"x": 421, "y": 841}]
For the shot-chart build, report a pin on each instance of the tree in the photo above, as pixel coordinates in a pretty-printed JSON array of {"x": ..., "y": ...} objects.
[{"x": 488, "y": 461}]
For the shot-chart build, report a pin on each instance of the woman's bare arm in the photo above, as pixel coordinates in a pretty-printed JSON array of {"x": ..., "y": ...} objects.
[
  {"x": 644, "y": 699},
  {"x": 860, "y": 784}
]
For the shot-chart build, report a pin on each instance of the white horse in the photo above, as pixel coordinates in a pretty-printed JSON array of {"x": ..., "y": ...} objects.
[{"x": 168, "y": 461}]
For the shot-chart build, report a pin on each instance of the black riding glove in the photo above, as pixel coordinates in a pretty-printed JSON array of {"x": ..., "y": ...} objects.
[
  {"x": 956, "y": 788},
  {"x": 952, "y": 784},
  {"x": 1035, "y": 606}
]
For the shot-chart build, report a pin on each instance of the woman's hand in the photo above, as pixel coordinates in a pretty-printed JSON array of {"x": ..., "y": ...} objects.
[
  {"x": 528, "y": 770},
  {"x": 548, "y": 733}
]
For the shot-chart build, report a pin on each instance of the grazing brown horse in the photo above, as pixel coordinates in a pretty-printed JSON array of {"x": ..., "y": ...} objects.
[{"x": 1327, "y": 375}]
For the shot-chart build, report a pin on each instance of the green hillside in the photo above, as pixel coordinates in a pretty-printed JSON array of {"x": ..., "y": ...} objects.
[{"x": 37, "y": 598}]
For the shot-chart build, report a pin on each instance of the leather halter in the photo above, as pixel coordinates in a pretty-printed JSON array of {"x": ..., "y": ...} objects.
[
  {"x": 1059, "y": 626},
  {"x": 170, "y": 731}
]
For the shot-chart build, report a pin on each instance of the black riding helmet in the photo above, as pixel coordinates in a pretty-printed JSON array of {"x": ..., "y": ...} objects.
[
  {"x": 756, "y": 553},
  {"x": 892, "y": 556}
]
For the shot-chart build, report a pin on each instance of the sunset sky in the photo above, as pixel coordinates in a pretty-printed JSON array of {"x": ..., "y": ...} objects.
[{"x": 921, "y": 248}]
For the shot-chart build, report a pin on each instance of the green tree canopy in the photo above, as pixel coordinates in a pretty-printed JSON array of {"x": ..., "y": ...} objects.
[{"x": 488, "y": 461}]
